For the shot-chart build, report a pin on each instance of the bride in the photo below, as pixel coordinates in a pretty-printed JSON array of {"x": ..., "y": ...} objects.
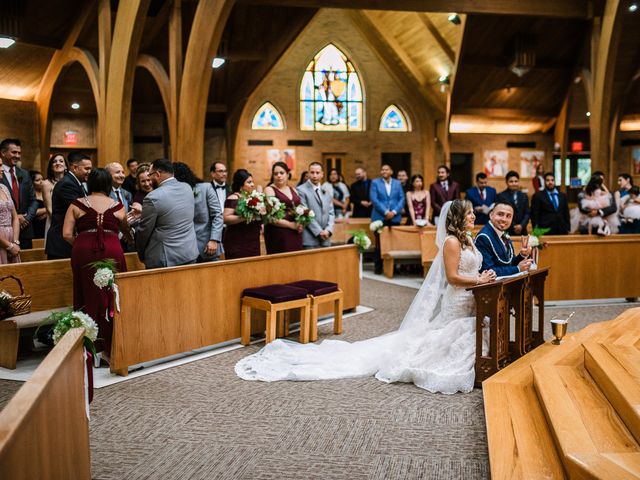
[{"x": 434, "y": 348}]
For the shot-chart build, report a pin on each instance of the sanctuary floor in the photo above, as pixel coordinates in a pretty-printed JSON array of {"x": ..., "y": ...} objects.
[{"x": 199, "y": 421}]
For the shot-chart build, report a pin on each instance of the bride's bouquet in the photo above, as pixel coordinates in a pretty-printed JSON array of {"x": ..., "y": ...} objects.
[
  {"x": 276, "y": 210},
  {"x": 303, "y": 215},
  {"x": 251, "y": 206}
]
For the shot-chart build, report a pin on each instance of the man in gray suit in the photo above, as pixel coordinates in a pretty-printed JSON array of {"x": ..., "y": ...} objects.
[
  {"x": 166, "y": 235},
  {"x": 318, "y": 198}
]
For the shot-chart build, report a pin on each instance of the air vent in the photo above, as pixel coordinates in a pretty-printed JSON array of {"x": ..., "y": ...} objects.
[
  {"x": 300, "y": 143},
  {"x": 521, "y": 144},
  {"x": 260, "y": 143},
  {"x": 630, "y": 142}
]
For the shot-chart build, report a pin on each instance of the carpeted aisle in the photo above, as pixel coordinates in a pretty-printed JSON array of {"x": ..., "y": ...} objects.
[{"x": 199, "y": 421}]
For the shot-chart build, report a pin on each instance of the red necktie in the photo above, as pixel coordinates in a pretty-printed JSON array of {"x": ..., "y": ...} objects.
[{"x": 15, "y": 189}]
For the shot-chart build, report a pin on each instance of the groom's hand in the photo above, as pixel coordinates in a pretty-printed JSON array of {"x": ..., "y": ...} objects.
[{"x": 525, "y": 264}]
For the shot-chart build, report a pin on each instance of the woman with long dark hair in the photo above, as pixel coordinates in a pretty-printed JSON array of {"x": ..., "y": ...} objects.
[
  {"x": 418, "y": 202},
  {"x": 284, "y": 235},
  {"x": 241, "y": 239},
  {"x": 56, "y": 169}
]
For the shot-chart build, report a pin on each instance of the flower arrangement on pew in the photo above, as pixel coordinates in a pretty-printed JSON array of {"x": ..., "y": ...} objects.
[
  {"x": 252, "y": 206},
  {"x": 65, "y": 321},
  {"x": 377, "y": 226},
  {"x": 360, "y": 240},
  {"x": 303, "y": 215},
  {"x": 536, "y": 242},
  {"x": 104, "y": 279},
  {"x": 276, "y": 210}
]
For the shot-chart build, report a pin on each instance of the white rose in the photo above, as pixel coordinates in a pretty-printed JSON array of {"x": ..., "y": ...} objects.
[
  {"x": 299, "y": 210},
  {"x": 533, "y": 241},
  {"x": 90, "y": 327},
  {"x": 103, "y": 277},
  {"x": 312, "y": 214},
  {"x": 366, "y": 243}
]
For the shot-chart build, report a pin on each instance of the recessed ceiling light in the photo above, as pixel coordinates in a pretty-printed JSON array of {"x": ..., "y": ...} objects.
[
  {"x": 633, "y": 7},
  {"x": 6, "y": 42},
  {"x": 217, "y": 62},
  {"x": 454, "y": 18},
  {"x": 75, "y": 105},
  {"x": 588, "y": 114}
]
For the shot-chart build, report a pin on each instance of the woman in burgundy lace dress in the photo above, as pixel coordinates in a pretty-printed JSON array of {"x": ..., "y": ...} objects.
[
  {"x": 91, "y": 226},
  {"x": 284, "y": 235}
]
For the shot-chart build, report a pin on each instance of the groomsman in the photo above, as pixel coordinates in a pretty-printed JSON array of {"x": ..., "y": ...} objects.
[
  {"x": 319, "y": 199},
  {"x": 519, "y": 201},
  {"x": 18, "y": 181},
  {"x": 360, "y": 194},
  {"x": 496, "y": 247},
  {"x": 219, "y": 181},
  {"x": 443, "y": 190},
  {"x": 550, "y": 209},
  {"x": 387, "y": 199},
  {"x": 482, "y": 197}
]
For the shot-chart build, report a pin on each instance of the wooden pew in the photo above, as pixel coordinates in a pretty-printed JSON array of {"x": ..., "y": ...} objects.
[
  {"x": 400, "y": 243},
  {"x": 428, "y": 248},
  {"x": 174, "y": 310},
  {"x": 33, "y": 255},
  {"x": 44, "y": 430},
  {"x": 38, "y": 243},
  {"x": 342, "y": 227}
]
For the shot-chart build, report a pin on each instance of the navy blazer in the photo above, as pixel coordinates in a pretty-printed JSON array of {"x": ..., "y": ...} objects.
[
  {"x": 383, "y": 203},
  {"x": 473, "y": 195},
  {"x": 495, "y": 256},
  {"x": 521, "y": 206}
]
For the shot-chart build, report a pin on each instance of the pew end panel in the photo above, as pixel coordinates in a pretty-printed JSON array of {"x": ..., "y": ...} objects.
[{"x": 400, "y": 244}]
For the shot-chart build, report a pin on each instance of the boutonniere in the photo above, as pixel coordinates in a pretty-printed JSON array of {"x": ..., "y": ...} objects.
[
  {"x": 323, "y": 191},
  {"x": 195, "y": 193},
  {"x": 506, "y": 235}
]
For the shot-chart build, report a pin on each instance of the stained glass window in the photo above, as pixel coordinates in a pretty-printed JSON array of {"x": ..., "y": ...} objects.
[
  {"x": 330, "y": 93},
  {"x": 267, "y": 118},
  {"x": 394, "y": 120}
]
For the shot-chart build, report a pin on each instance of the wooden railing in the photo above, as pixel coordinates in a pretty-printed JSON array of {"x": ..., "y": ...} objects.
[{"x": 44, "y": 430}]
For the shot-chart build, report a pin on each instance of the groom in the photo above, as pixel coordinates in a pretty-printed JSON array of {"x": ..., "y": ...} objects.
[{"x": 496, "y": 247}]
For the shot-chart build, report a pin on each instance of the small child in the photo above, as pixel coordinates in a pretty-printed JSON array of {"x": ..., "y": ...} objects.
[{"x": 630, "y": 208}]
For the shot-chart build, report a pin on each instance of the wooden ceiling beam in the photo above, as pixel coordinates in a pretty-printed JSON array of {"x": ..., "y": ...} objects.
[
  {"x": 437, "y": 36},
  {"x": 539, "y": 8},
  {"x": 506, "y": 112}
]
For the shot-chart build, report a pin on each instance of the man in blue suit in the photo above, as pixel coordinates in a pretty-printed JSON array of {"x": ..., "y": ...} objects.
[
  {"x": 496, "y": 247},
  {"x": 482, "y": 197},
  {"x": 387, "y": 199}
]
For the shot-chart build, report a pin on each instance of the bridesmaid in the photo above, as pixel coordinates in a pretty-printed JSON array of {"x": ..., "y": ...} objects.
[
  {"x": 241, "y": 239},
  {"x": 418, "y": 202},
  {"x": 284, "y": 235}
]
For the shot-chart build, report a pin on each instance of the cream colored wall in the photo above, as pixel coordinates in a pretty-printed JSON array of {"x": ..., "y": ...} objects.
[{"x": 281, "y": 87}]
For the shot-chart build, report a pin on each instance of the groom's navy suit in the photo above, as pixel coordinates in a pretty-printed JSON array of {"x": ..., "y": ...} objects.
[{"x": 496, "y": 255}]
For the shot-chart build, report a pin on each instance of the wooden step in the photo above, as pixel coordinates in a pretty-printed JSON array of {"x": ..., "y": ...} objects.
[
  {"x": 608, "y": 466},
  {"x": 615, "y": 369}
]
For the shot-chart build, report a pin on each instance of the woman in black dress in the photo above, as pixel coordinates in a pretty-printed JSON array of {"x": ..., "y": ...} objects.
[{"x": 240, "y": 239}]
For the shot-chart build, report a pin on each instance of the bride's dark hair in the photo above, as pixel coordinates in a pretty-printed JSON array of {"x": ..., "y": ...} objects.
[{"x": 456, "y": 222}]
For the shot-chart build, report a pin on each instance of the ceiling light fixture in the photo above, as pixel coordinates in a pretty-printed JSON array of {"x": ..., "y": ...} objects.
[
  {"x": 217, "y": 62},
  {"x": 633, "y": 7},
  {"x": 454, "y": 18},
  {"x": 443, "y": 80},
  {"x": 75, "y": 105},
  {"x": 6, "y": 42},
  {"x": 524, "y": 55},
  {"x": 588, "y": 114}
]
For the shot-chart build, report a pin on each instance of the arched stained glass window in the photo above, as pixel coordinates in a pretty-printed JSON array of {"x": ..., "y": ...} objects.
[
  {"x": 267, "y": 118},
  {"x": 394, "y": 120},
  {"x": 330, "y": 93}
]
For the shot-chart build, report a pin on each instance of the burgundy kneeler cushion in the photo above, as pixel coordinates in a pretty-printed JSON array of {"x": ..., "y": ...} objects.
[
  {"x": 276, "y": 293},
  {"x": 315, "y": 287}
]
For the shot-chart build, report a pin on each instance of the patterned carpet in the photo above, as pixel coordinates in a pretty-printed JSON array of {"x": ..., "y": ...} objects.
[{"x": 199, "y": 421}]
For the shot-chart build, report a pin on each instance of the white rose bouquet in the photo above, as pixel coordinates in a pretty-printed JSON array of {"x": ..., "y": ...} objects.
[
  {"x": 104, "y": 279},
  {"x": 303, "y": 215},
  {"x": 360, "y": 240},
  {"x": 65, "y": 321},
  {"x": 376, "y": 226}
]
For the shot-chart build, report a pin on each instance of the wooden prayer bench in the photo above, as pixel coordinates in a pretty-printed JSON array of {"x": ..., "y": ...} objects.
[
  {"x": 400, "y": 244},
  {"x": 44, "y": 429},
  {"x": 173, "y": 310}
]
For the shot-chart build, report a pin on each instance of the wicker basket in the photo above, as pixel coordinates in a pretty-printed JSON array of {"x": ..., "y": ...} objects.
[{"x": 20, "y": 304}]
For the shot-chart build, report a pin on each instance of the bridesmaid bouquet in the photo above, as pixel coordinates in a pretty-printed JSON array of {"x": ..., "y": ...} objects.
[
  {"x": 252, "y": 206},
  {"x": 276, "y": 210},
  {"x": 303, "y": 215}
]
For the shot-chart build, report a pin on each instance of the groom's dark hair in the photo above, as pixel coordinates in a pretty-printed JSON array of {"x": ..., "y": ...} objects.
[{"x": 504, "y": 202}]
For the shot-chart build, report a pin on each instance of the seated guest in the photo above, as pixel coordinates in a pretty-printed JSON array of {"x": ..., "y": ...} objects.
[
  {"x": 9, "y": 227},
  {"x": 519, "y": 201},
  {"x": 129, "y": 183},
  {"x": 496, "y": 247},
  {"x": 40, "y": 220},
  {"x": 593, "y": 202},
  {"x": 340, "y": 193},
  {"x": 118, "y": 193},
  {"x": 56, "y": 169},
  {"x": 320, "y": 200},
  {"x": 241, "y": 239},
  {"x": 482, "y": 197},
  {"x": 550, "y": 209},
  {"x": 360, "y": 195},
  {"x": 96, "y": 218},
  {"x": 418, "y": 202},
  {"x": 207, "y": 218},
  {"x": 166, "y": 236},
  {"x": 442, "y": 190},
  {"x": 284, "y": 235}
]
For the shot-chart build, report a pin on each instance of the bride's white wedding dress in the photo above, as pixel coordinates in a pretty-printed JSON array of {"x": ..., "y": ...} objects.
[{"x": 434, "y": 347}]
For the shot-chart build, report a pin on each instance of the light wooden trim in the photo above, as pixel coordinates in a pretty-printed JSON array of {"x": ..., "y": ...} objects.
[
  {"x": 104, "y": 53},
  {"x": 175, "y": 72},
  {"x": 159, "y": 74},
  {"x": 437, "y": 36},
  {"x": 44, "y": 430},
  {"x": 38, "y": 243}
]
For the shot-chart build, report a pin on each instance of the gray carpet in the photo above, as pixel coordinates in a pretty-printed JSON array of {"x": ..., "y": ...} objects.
[{"x": 199, "y": 421}]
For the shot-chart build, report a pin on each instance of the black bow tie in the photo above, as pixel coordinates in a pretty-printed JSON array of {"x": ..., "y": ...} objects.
[{"x": 221, "y": 187}]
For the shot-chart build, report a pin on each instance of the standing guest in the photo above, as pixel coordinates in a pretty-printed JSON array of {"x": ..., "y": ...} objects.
[
  {"x": 340, "y": 193},
  {"x": 55, "y": 171},
  {"x": 594, "y": 204},
  {"x": 538, "y": 179},
  {"x": 443, "y": 190},
  {"x": 403, "y": 178},
  {"x": 219, "y": 181},
  {"x": 18, "y": 181},
  {"x": 360, "y": 195},
  {"x": 166, "y": 236},
  {"x": 118, "y": 193},
  {"x": 496, "y": 247},
  {"x": 66, "y": 191},
  {"x": 482, "y": 197},
  {"x": 97, "y": 219},
  {"x": 40, "y": 221},
  {"x": 550, "y": 209},
  {"x": 625, "y": 184},
  {"x": 143, "y": 183},
  {"x": 284, "y": 235},
  {"x": 519, "y": 201},
  {"x": 418, "y": 202},
  {"x": 241, "y": 239},
  {"x": 9, "y": 227},
  {"x": 304, "y": 176},
  {"x": 321, "y": 201},
  {"x": 387, "y": 199},
  {"x": 129, "y": 183},
  {"x": 207, "y": 220}
]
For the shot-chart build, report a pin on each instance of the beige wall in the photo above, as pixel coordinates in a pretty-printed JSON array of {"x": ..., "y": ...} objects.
[
  {"x": 624, "y": 160},
  {"x": 19, "y": 119},
  {"x": 281, "y": 87}
]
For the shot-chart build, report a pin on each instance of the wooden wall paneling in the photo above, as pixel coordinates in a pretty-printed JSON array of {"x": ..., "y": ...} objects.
[
  {"x": 105, "y": 32},
  {"x": 44, "y": 429},
  {"x": 173, "y": 310},
  {"x": 561, "y": 132},
  {"x": 129, "y": 25},
  {"x": 206, "y": 31},
  {"x": 175, "y": 73}
]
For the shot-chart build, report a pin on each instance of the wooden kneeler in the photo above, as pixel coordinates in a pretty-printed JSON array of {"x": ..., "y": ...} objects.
[
  {"x": 273, "y": 299},
  {"x": 320, "y": 292}
]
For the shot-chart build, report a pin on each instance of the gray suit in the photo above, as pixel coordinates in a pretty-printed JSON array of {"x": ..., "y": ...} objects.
[
  {"x": 208, "y": 219},
  {"x": 165, "y": 235},
  {"x": 324, "y": 214}
]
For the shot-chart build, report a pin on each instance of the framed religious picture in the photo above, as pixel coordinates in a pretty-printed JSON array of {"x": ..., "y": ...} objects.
[
  {"x": 496, "y": 163},
  {"x": 635, "y": 158},
  {"x": 273, "y": 155},
  {"x": 529, "y": 162},
  {"x": 289, "y": 157}
]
